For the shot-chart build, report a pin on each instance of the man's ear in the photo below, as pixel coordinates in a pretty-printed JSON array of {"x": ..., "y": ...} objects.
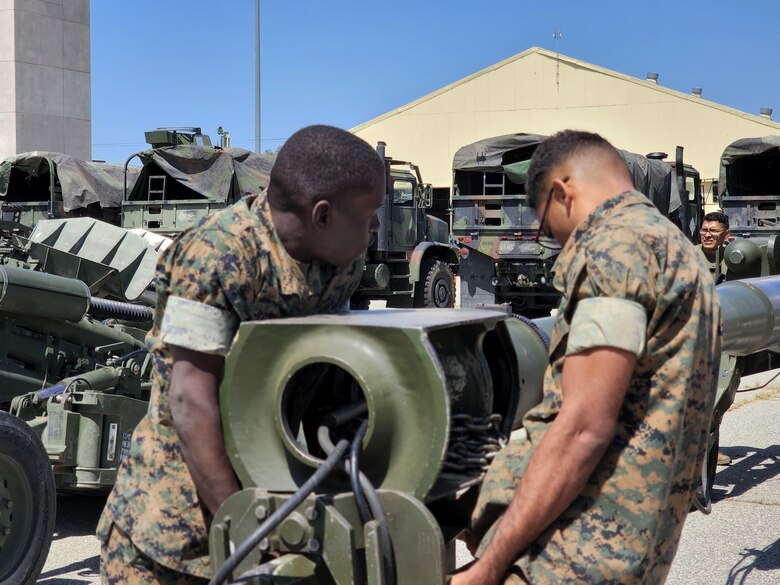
[{"x": 320, "y": 213}]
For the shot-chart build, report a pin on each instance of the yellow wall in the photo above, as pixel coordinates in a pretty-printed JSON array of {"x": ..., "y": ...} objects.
[{"x": 524, "y": 94}]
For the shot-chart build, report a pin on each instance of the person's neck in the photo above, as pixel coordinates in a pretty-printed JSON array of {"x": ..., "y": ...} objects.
[{"x": 292, "y": 233}]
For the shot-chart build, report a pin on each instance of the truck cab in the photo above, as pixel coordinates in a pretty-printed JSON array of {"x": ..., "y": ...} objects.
[{"x": 410, "y": 262}]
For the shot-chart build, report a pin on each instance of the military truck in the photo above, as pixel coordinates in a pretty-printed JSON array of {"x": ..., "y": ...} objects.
[
  {"x": 502, "y": 258},
  {"x": 48, "y": 185},
  {"x": 184, "y": 178},
  {"x": 411, "y": 261},
  {"x": 749, "y": 185}
]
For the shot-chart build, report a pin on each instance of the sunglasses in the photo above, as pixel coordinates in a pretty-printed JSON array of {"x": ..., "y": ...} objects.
[{"x": 541, "y": 231}]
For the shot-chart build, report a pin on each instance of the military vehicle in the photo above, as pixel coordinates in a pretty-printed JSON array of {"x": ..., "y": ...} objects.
[
  {"x": 50, "y": 185},
  {"x": 502, "y": 261},
  {"x": 75, "y": 305},
  {"x": 749, "y": 185},
  {"x": 347, "y": 480},
  {"x": 184, "y": 178},
  {"x": 410, "y": 263}
]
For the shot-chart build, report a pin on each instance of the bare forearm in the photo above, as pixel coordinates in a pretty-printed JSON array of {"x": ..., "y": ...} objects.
[
  {"x": 556, "y": 474},
  {"x": 594, "y": 385},
  {"x": 204, "y": 452},
  {"x": 194, "y": 404}
]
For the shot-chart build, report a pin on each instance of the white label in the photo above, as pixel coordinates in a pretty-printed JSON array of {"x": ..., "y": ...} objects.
[{"x": 111, "y": 449}]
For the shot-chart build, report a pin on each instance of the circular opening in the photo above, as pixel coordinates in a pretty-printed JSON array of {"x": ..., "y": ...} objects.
[{"x": 317, "y": 395}]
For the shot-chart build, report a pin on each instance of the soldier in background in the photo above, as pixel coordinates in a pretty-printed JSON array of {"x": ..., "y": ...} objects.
[
  {"x": 714, "y": 233},
  {"x": 296, "y": 249},
  {"x": 599, "y": 491}
]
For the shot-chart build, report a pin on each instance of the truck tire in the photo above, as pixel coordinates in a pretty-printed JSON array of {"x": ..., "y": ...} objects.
[
  {"x": 27, "y": 503},
  {"x": 436, "y": 287}
]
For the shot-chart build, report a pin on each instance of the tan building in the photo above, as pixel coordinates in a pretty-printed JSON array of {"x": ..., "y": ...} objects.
[
  {"x": 45, "y": 101},
  {"x": 540, "y": 92}
]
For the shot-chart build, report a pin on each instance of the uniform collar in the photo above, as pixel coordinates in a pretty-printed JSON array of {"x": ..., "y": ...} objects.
[
  {"x": 295, "y": 278},
  {"x": 603, "y": 211}
]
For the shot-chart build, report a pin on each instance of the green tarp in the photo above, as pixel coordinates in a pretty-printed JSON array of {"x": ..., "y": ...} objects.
[
  {"x": 25, "y": 177},
  {"x": 511, "y": 154},
  {"x": 751, "y": 166},
  {"x": 203, "y": 172}
]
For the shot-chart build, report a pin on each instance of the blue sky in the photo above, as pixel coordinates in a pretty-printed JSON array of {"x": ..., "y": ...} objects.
[{"x": 343, "y": 62}]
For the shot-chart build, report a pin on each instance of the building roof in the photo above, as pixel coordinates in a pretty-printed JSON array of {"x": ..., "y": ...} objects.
[{"x": 771, "y": 125}]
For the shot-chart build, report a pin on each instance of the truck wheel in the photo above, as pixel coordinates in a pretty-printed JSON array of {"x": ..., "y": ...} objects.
[
  {"x": 27, "y": 503},
  {"x": 436, "y": 287}
]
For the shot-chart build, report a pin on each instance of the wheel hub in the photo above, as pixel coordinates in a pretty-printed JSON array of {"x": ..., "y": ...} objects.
[
  {"x": 441, "y": 294},
  {"x": 15, "y": 508}
]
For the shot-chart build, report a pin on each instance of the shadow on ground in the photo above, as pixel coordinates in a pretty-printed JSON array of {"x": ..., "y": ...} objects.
[
  {"x": 88, "y": 569},
  {"x": 77, "y": 515},
  {"x": 765, "y": 559},
  {"x": 753, "y": 467}
]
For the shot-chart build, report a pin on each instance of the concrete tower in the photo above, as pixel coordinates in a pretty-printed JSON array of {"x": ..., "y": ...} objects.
[{"x": 45, "y": 99}]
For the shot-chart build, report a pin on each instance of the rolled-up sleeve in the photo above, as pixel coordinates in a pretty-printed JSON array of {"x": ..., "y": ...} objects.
[
  {"x": 197, "y": 326},
  {"x": 608, "y": 322}
]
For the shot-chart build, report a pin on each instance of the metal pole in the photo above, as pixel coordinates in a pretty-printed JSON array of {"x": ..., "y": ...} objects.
[{"x": 257, "y": 76}]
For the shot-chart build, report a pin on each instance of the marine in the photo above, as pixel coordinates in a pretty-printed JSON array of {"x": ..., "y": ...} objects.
[
  {"x": 296, "y": 249},
  {"x": 600, "y": 489}
]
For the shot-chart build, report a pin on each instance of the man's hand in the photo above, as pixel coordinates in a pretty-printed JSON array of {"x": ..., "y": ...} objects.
[
  {"x": 594, "y": 386},
  {"x": 194, "y": 404}
]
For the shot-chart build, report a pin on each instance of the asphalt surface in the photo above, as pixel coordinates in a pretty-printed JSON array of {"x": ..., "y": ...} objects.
[{"x": 737, "y": 544}]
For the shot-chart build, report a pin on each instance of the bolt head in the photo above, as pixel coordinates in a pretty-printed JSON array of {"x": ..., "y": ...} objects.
[
  {"x": 311, "y": 513},
  {"x": 314, "y": 545},
  {"x": 264, "y": 544},
  {"x": 261, "y": 512}
]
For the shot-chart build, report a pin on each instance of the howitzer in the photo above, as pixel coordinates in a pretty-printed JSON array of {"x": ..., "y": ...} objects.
[
  {"x": 74, "y": 373},
  {"x": 420, "y": 401}
]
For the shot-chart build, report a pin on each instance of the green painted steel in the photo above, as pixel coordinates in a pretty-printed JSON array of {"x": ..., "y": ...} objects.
[{"x": 431, "y": 383}]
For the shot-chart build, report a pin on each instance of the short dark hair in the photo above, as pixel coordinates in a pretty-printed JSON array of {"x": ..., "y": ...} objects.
[
  {"x": 556, "y": 150},
  {"x": 718, "y": 216},
  {"x": 323, "y": 162}
]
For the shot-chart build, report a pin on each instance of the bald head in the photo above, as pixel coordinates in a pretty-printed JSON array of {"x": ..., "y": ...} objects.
[{"x": 585, "y": 155}]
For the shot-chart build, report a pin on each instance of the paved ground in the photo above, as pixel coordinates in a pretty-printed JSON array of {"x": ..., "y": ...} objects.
[{"x": 738, "y": 544}]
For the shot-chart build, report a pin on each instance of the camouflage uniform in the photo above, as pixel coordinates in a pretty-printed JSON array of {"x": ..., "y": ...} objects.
[
  {"x": 625, "y": 525},
  {"x": 710, "y": 260},
  {"x": 232, "y": 267}
]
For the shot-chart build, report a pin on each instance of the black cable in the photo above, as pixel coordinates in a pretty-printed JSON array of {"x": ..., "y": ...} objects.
[
  {"x": 764, "y": 385},
  {"x": 354, "y": 474},
  {"x": 333, "y": 459},
  {"x": 375, "y": 506},
  {"x": 120, "y": 359}
]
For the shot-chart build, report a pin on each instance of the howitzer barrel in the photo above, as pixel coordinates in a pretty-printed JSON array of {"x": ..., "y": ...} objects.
[
  {"x": 751, "y": 314},
  {"x": 28, "y": 292}
]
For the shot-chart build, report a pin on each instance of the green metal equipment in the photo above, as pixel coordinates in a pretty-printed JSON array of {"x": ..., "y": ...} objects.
[
  {"x": 361, "y": 440},
  {"x": 75, "y": 306}
]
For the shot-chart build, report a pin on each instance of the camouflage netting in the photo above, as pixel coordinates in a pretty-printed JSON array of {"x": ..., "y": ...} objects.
[
  {"x": 27, "y": 177},
  {"x": 751, "y": 166},
  {"x": 203, "y": 172},
  {"x": 511, "y": 154}
]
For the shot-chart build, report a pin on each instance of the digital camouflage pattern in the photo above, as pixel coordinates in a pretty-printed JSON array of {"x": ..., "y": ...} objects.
[
  {"x": 124, "y": 564},
  {"x": 625, "y": 525},
  {"x": 232, "y": 260}
]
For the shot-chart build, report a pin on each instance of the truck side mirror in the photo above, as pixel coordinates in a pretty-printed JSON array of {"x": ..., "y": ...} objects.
[{"x": 427, "y": 196}]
